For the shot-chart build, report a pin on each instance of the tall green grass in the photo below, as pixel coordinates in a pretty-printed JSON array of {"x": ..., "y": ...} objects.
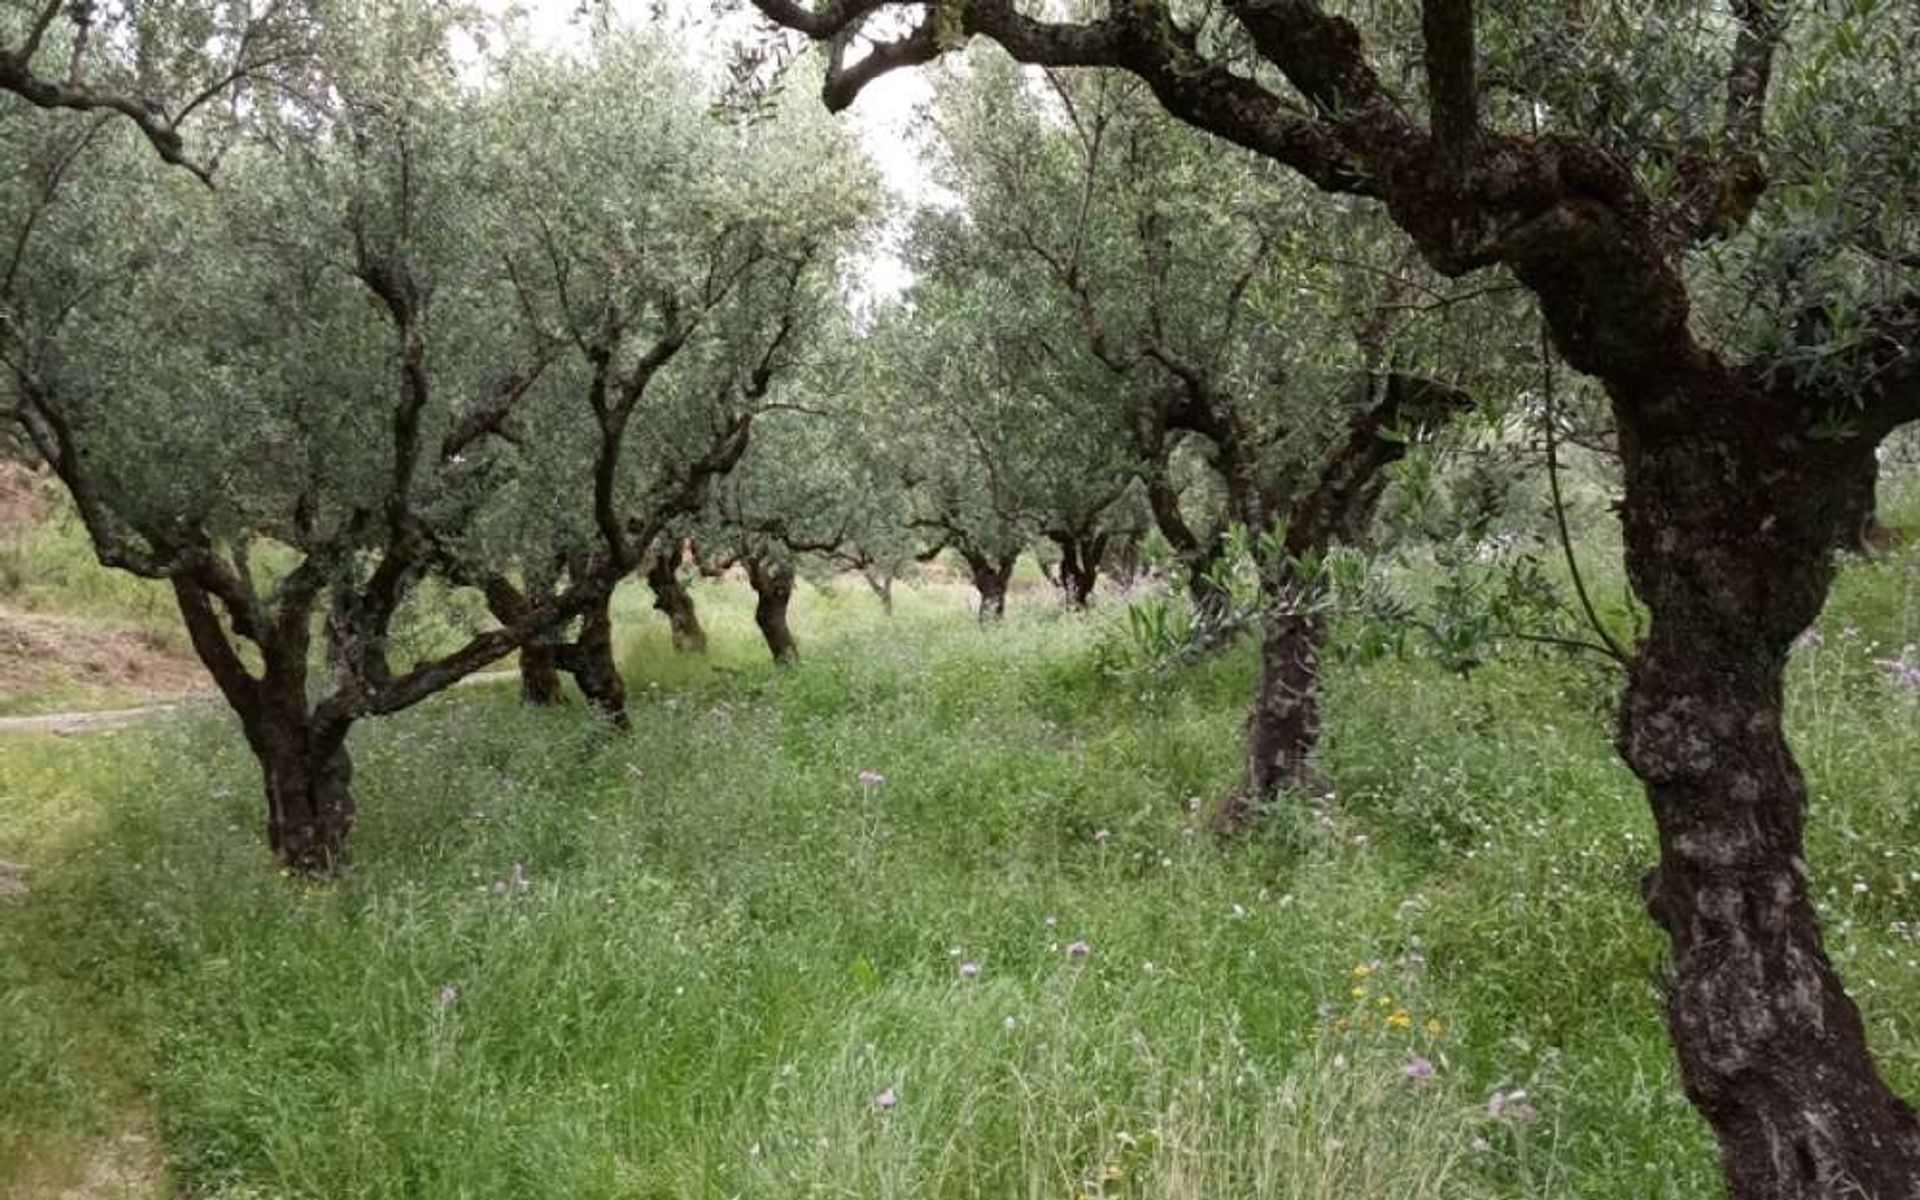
[{"x": 685, "y": 963}]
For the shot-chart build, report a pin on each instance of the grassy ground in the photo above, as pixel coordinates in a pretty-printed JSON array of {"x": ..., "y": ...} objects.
[{"x": 687, "y": 963}]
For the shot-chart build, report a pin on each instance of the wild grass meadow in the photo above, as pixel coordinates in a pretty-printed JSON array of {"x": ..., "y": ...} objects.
[{"x": 709, "y": 960}]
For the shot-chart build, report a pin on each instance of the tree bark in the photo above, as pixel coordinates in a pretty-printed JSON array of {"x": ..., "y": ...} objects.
[
  {"x": 671, "y": 598},
  {"x": 882, "y": 586},
  {"x": 540, "y": 675},
  {"x": 304, "y": 764},
  {"x": 990, "y": 578},
  {"x": 1283, "y": 725},
  {"x": 1730, "y": 532},
  {"x": 309, "y": 778},
  {"x": 1079, "y": 566},
  {"x": 772, "y": 582},
  {"x": 590, "y": 660}
]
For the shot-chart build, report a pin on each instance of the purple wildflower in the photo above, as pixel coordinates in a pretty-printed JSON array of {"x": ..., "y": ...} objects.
[
  {"x": 1512, "y": 1106},
  {"x": 1100, "y": 837},
  {"x": 871, "y": 778},
  {"x": 1418, "y": 1067},
  {"x": 1078, "y": 949},
  {"x": 969, "y": 969},
  {"x": 1902, "y": 672},
  {"x": 885, "y": 1100}
]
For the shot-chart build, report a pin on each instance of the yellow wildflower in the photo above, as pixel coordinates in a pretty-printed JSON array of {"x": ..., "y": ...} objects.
[
  {"x": 1399, "y": 1018},
  {"x": 1360, "y": 992},
  {"x": 1434, "y": 1026}
]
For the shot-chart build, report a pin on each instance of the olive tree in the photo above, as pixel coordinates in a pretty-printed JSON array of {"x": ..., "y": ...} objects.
[
  {"x": 280, "y": 397},
  {"x": 158, "y": 66},
  {"x": 1031, "y": 420},
  {"x": 1217, "y": 315},
  {"x": 680, "y": 273},
  {"x": 1712, "y": 206}
]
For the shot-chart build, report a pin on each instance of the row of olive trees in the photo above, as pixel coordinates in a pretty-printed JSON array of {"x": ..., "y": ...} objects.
[
  {"x": 1124, "y": 324},
  {"x": 498, "y": 332},
  {"x": 1713, "y": 207}
]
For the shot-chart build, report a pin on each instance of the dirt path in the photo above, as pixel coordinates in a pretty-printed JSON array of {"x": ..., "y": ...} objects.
[
  {"x": 91, "y": 722},
  {"x": 124, "y": 1162},
  {"x": 69, "y": 723}
]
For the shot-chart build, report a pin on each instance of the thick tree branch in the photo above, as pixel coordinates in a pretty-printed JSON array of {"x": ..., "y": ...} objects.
[
  {"x": 844, "y": 83},
  {"x": 16, "y": 76},
  {"x": 1717, "y": 191},
  {"x": 1888, "y": 364},
  {"x": 1350, "y": 478},
  {"x": 1452, "y": 90},
  {"x": 489, "y": 418}
]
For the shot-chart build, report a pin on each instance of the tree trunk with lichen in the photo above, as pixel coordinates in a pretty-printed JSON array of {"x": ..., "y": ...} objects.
[{"x": 1730, "y": 532}]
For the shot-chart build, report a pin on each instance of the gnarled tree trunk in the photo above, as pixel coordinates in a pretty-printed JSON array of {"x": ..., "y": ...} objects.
[
  {"x": 1283, "y": 725},
  {"x": 1729, "y": 536},
  {"x": 589, "y": 659},
  {"x": 990, "y": 577},
  {"x": 540, "y": 674},
  {"x": 304, "y": 763},
  {"x": 1079, "y": 566},
  {"x": 772, "y": 581},
  {"x": 671, "y": 599},
  {"x": 309, "y": 784}
]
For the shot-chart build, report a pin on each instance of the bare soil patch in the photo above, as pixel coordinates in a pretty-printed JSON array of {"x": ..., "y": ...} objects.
[
  {"x": 67, "y": 660},
  {"x": 25, "y": 499}
]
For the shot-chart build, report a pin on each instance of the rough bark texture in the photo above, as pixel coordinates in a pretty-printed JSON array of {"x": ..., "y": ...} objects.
[
  {"x": 309, "y": 778},
  {"x": 1283, "y": 726},
  {"x": 1729, "y": 541},
  {"x": 772, "y": 581},
  {"x": 302, "y": 752},
  {"x": 540, "y": 675},
  {"x": 672, "y": 600},
  {"x": 590, "y": 660}
]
